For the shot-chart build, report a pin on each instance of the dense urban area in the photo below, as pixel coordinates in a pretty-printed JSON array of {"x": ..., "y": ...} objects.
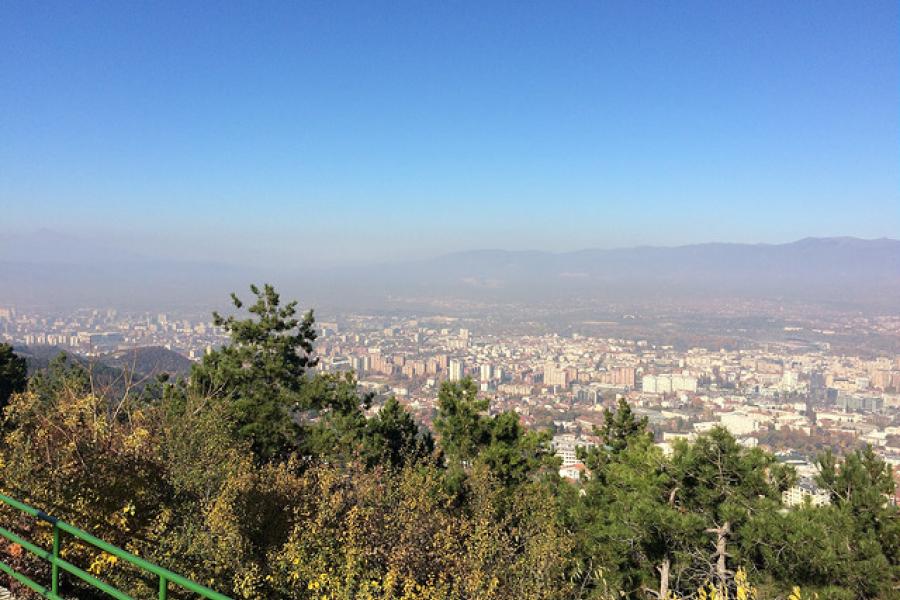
[{"x": 792, "y": 393}]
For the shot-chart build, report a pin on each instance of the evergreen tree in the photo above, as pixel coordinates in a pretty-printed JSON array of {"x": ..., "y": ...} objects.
[
  {"x": 844, "y": 551},
  {"x": 628, "y": 525},
  {"x": 861, "y": 487},
  {"x": 621, "y": 427},
  {"x": 261, "y": 372},
  {"x": 393, "y": 437},
  {"x": 13, "y": 375},
  {"x": 332, "y": 425},
  {"x": 462, "y": 427},
  {"x": 725, "y": 484},
  {"x": 468, "y": 436},
  {"x": 515, "y": 454},
  {"x": 63, "y": 375}
]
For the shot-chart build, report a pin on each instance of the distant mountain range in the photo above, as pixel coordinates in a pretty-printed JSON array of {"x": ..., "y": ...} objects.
[
  {"x": 825, "y": 269},
  {"x": 842, "y": 269},
  {"x": 821, "y": 260},
  {"x": 49, "y": 268}
]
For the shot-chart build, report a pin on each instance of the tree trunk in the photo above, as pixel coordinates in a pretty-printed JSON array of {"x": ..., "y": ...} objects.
[
  {"x": 666, "y": 563},
  {"x": 722, "y": 533},
  {"x": 664, "y": 580}
]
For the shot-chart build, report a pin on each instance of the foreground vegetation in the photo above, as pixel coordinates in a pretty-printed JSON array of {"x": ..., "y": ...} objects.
[{"x": 264, "y": 479}]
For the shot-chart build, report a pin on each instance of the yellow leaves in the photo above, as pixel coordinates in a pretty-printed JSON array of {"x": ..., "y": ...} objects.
[
  {"x": 742, "y": 588},
  {"x": 367, "y": 536},
  {"x": 796, "y": 594},
  {"x": 120, "y": 519},
  {"x": 318, "y": 583},
  {"x": 709, "y": 592},
  {"x": 102, "y": 563},
  {"x": 745, "y": 591},
  {"x": 247, "y": 584},
  {"x": 137, "y": 439}
]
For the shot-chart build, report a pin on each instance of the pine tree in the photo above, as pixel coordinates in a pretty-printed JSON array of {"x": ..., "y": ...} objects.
[
  {"x": 393, "y": 437},
  {"x": 725, "y": 484},
  {"x": 13, "y": 375},
  {"x": 468, "y": 436},
  {"x": 621, "y": 427},
  {"x": 261, "y": 372},
  {"x": 462, "y": 428}
]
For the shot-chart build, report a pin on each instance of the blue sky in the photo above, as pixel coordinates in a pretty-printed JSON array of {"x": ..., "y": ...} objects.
[{"x": 327, "y": 132}]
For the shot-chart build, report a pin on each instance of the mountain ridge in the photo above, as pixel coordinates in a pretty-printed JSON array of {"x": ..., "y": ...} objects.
[
  {"x": 807, "y": 241},
  {"x": 866, "y": 272}
]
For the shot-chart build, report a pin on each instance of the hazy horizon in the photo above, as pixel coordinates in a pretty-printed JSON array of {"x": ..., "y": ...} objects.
[
  {"x": 75, "y": 247},
  {"x": 348, "y": 133},
  {"x": 51, "y": 269}
]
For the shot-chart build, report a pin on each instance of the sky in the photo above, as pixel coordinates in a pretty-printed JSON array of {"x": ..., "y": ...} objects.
[{"x": 330, "y": 132}]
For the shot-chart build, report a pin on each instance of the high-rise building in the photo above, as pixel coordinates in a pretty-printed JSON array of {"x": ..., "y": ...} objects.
[
  {"x": 360, "y": 364},
  {"x": 684, "y": 383},
  {"x": 456, "y": 370},
  {"x": 486, "y": 372},
  {"x": 622, "y": 376},
  {"x": 554, "y": 375},
  {"x": 668, "y": 383}
]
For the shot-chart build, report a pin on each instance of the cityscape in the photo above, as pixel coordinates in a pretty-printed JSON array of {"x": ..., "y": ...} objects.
[
  {"x": 794, "y": 394},
  {"x": 450, "y": 300}
]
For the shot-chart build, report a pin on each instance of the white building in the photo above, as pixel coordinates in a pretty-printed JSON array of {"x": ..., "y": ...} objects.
[
  {"x": 573, "y": 472},
  {"x": 668, "y": 383},
  {"x": 739, "y": 423},
  {"x": 684, "y": 383},
  {"x": 456, "y": 370},
  {"x": 797, "y": 495},
  {"x": 565, "y": 447}
]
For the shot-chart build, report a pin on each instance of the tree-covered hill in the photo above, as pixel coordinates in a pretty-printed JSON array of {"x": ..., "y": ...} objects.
[
  {"x": 149, "y": 361},
  {"x": 114, "y": 372}
]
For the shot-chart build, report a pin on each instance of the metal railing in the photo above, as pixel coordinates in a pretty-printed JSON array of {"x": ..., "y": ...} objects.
[{"x": 165, "y": 576}]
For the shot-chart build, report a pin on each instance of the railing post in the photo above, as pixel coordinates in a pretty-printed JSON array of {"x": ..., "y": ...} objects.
[
  {"x": 54, "y": 568},
  {"x": 163, "y": 588}
]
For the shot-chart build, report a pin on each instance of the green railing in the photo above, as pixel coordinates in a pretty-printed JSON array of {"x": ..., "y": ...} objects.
[{"x": 165, "y": 576}]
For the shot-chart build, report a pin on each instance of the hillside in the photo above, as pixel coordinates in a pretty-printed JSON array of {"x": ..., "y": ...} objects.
[
  {"x": 142, "y": 364},
  {"x": 149, "y": 361}
]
